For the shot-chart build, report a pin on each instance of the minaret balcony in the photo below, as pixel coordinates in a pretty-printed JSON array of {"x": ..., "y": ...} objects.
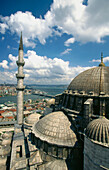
[
  {"x": 20, "y": 76},
  {"x": 19, "y": 63},
  {"x": 20, "y": 88}
]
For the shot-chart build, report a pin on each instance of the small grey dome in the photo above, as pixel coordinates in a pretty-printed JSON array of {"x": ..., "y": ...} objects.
[
  {"x": 51, "y": 102},
  {"x": 98, "y": 130},
  {"x": 55, "y": 128},
  {"x": 32, "y": 118},
  {"x": 54, "y": 165}
]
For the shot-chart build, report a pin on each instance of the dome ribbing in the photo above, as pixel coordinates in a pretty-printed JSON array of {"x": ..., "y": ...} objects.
[
  {"x": 55, "y": 128},
  {"x": 98, "y": 130},
  {"x": 92, "y": 80}
]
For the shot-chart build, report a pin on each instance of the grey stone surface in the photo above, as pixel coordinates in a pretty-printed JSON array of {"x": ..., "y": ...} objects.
[
  {"x": 32, "y": 118},
  {"x": 96, "y": 156},
  {"x": 54, "y": 165},
  {"x": 20, "y": 87},
  {"x": 55, "y": 128}
]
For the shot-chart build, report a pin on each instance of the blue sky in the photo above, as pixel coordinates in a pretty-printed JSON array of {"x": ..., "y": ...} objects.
[{"x": 61, "y": 38}]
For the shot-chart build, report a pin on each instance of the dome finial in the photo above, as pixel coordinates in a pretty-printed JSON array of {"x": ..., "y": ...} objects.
[
  {"x": 102, "y": 64},
  {"x": 103, "y": 114}
]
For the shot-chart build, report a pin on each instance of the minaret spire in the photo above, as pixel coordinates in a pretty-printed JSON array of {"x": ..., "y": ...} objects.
[
  {"x": 20, "y": 87},
  {"x": 21, "y": 43},
  {"x": 102, "y": 64}
]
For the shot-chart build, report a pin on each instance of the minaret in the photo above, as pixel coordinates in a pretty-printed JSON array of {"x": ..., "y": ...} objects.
[{"x": 20, "y": 87}]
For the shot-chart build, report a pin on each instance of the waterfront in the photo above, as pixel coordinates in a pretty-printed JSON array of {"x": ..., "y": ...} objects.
[{"x": 50, "y": 90}]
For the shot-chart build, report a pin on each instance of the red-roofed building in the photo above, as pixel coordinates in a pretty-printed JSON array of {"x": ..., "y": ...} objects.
[
  {"x": 2, "y": 111},
  {"x": 1, "y": 118},
  {"x": 9, "y": 118},
  {"x": 13, "y": 110}
]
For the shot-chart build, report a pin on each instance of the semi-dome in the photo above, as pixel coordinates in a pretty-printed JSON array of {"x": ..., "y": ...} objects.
[
  {"x": 55, "y": 128},
  {"x": 98, "y": 130},
  {"x": 92, "y": 80},
  {"x": 32, "y": 118}
]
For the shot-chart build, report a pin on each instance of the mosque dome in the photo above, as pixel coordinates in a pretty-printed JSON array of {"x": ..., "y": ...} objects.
[
  {"x": 51, "y": 102},
  {"x": 55, "y": 128},
  {"x": 92, "y": 80},
  {"x": 98, "y": 130},
  {"x": 32, "y": 118},
  {"x": 56, "y": 164}
]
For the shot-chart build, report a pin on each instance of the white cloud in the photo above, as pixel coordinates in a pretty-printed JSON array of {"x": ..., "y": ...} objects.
[
  {"x": 31, "y": 27},
  {"x": 42, "y": 70},
  {"x": 8, "y": 77},
  {"x": 85, "y": 23},
  {"x": 66, "y": 51},
  {"x": 3, "y": 38},
  {"x": 105, "y": 59},
  {"x": 3, "y": 27},
  {"x": 13, "y": 59},
  {"x": 4, "y": 64},
  {"x": 8, "y": 46},
  {"x": 69, "y": 41}
]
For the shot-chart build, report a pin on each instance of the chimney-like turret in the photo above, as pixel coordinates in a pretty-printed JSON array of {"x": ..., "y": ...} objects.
[{"x": 20, "y": 87}]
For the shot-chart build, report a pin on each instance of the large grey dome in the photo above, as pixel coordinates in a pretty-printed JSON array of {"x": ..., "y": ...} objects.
[
  {"x": 98, "y": 130},
  {"x": 92, "y": 80},
  {"x": 55, "y": 128}
]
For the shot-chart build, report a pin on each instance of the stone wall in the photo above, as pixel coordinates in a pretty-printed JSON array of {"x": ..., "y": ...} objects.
[
  {"x": 96, "y": 156},
  {"x": 76, "y": 102}
]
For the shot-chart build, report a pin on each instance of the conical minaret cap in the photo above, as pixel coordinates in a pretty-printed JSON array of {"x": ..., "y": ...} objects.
[
  {"x": 21, "y": 43},
  {"x": 101, "y": 64}
]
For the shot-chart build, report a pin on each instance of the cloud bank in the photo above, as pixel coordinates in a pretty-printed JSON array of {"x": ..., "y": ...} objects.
[
  {"x": 40, "y": 69},
  {"x": 85, "y": 23}
]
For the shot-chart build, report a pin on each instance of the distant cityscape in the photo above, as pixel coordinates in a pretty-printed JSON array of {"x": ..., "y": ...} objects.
[
  {"x": 10, "y": 90},
  {"x": 8, "y": 109}
]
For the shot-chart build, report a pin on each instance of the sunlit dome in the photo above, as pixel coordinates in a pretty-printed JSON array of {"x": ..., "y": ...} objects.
[
  {"x": 51, "y": 102},
  {"x": 94, "y": 80},
  {"x": 55, "y": 128},
  {"x": 32, "y": 118}
]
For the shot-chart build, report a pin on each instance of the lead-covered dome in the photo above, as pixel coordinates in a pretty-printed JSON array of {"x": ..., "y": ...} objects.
[
  {"x": 51, "y": 102},
  {"x": 94, "y": 80},
  {"x": 98, "y": 130},
  {"x": 55, "y": 128},
  {"x": 32, "y": 118}
]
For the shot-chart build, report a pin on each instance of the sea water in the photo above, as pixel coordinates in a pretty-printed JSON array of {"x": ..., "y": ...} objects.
[{"x": 49, "y": 89}]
